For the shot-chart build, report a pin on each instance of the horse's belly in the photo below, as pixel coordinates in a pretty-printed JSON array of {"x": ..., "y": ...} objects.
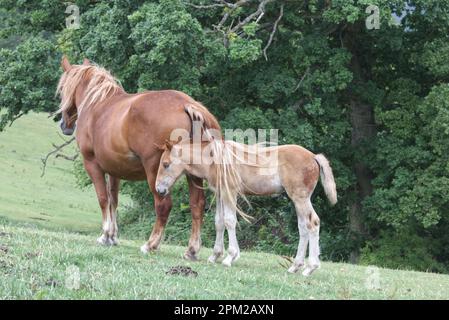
[
  {"x": 263, "y": 185},
  {"x": 127, "y": 167}
]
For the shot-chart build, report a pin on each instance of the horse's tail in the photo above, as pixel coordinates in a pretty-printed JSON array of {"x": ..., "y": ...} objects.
[
  {"x": 198, "y": 112},
  {"x": 327, "y": 178}
]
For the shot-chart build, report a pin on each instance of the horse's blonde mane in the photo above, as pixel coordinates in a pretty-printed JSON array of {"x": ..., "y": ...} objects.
[
  {"x": 100, "y": 86},
  {"x": 229, "y": 184}
]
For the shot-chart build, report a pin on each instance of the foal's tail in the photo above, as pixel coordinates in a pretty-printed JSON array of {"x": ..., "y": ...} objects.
[{"x": 327, "y": 178}]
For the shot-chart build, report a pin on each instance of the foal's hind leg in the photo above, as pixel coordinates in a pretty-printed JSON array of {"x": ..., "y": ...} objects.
[
  {"x": 313, "y": 225},
  {"x": 309, "y": 228},
  {"x": 303, "y": 236},
  {"x": 230, "y": 221}
]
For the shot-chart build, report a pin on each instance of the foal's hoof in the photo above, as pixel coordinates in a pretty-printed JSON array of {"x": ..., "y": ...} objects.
[
  {"x": 294, "y": 268},
  {"x": 212, "y": 259},
  {"x": 226, "y": 263},
  {"x": 309, "y": 270},
  {"x": 144, "y": 249}
]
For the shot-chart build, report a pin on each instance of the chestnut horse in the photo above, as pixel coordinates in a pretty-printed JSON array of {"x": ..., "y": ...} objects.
[{"x": 117, "y": 134}]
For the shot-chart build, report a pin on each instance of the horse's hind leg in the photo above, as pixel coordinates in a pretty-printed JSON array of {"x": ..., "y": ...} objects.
[
  {"x": 309, "y": 228},
  {"x": 310, "y": 224},
  {"x": 313, "y": 225},
  {"x": 113, "y": 185},
  {"x": 197, "y": 203},
  {"x": 230, "y": 221},
  {"x": 301, "y": 208}
]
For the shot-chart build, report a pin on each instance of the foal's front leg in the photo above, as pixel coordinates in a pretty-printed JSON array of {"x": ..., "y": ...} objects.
[
  {"x": 230, "y": 221},
  {"x": 219, "y": 230}
]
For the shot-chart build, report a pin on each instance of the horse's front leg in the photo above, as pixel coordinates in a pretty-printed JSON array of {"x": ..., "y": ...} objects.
[
  {"x": 97, "y": 176},
  {"x": 219, "y": 230},
  {"x": 230, "y": 221},
  {"x": 162, "y": 206},
  {"x": 197, "y": 203}
]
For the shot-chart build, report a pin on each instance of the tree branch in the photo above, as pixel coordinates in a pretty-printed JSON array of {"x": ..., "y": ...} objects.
[
  {"x": 259, "y": 12},
  {"x": 69, "y": 158},
  {"x": 302, "y": 79},
  {"x": 56, "y": 149},
  {"x": 273, "y": 32},
  {"x": 15, "y": 118}
]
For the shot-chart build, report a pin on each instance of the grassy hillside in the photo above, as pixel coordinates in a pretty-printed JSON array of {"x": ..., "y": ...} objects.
[
  {"x": 36, "y": 264},
  {"x": 42, "y": 247},
  {"x": 52, "y": 201}
]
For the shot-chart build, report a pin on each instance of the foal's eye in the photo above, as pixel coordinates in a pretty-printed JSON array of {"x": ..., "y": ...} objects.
[{"x": 166, "y": 165}]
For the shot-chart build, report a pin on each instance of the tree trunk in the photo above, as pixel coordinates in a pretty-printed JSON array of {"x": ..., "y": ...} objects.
[{"x": 363, "y": 128}]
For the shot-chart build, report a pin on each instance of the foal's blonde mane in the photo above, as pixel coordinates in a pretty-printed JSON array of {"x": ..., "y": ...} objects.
[{"x": 100, "y": 86}]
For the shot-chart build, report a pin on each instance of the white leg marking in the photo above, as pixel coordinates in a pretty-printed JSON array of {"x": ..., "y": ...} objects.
[
  {"x": 230, "y": 220},
  {"x": 219, "y": 230},
  {"x": 302, "y": 245},
  {"x": 313, "y": 262},
  {"x": 144, "y": 248}
]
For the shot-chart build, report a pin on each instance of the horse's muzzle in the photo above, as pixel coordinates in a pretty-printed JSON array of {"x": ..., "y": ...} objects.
[
  {"x": 65, "y": 130},
  {"x": 162, "y": 191}
]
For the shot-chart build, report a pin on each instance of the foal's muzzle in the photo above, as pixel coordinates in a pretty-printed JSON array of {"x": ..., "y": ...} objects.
[{"x": 162, "y": 191}]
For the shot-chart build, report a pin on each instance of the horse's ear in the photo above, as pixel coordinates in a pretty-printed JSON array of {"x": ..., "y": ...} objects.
[
  {"x": 65, "y": 63},
  {"x": 86, "y": 62}
]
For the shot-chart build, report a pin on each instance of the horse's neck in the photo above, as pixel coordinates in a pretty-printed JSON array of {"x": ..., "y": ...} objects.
[
  {"x": 89, "y": 106},
  {"x": 199, "y": 170}
]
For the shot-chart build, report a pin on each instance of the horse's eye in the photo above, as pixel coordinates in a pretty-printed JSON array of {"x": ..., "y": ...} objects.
[{"x": 166, "y": 165}]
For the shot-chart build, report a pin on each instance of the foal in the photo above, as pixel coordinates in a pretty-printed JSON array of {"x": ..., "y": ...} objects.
[{"x": 230, "y": 173}]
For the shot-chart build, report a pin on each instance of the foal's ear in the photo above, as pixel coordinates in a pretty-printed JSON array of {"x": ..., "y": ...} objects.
[
  {"x": 168, "y": 144},
  {"x": 65, "y": 64},
  {"x": 160, "y": 147},
  {"x": 86, "y": 62}
]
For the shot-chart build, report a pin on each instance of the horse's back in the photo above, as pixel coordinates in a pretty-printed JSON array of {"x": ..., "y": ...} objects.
[{"x": 125, "y": 130}]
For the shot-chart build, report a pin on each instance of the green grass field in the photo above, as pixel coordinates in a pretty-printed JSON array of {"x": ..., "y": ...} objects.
[
  {"x": 47, "y": 242},
  {"x": 52, "y": 201}
]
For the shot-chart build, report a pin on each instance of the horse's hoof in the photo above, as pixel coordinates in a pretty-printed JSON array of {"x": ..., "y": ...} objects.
[
  {"x": 103, "y": 240},
  {"x": 144, "y": 249},
  {"x": 227, "y": 262},
  {"x": 293, "y": 269},
  {"x": 113, "y": 241},
  {"x": 212, "y": 259},
  {"x": 190, "y": 256},
  {"x": 309, "y": 270}
]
